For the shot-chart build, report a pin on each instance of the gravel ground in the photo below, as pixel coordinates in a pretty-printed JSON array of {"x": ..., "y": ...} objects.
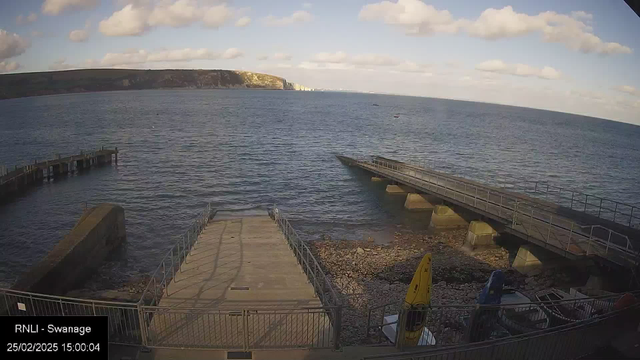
[{"x": 368, "y": 275}]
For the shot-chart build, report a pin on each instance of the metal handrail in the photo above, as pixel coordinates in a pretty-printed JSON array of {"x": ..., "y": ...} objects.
[
  {"x": 574, "y": 201},
  {"x": 310, "y": 265},
  {"x": 171, "y": 263},
  {"x": 509, "y": 207}
]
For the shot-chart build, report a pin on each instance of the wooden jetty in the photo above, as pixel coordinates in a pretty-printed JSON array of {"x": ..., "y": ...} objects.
[{"x": 18, "y": 179}]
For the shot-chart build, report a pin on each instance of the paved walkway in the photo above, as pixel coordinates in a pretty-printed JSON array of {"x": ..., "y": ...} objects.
[{"x": 240, "y": 286}]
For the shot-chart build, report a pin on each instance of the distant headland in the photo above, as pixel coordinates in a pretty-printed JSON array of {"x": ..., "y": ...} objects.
[{"x": 91, "y": 80}]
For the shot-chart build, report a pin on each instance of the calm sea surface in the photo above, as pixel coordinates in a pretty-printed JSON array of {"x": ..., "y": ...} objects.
[{"x": 244, "y": 150}]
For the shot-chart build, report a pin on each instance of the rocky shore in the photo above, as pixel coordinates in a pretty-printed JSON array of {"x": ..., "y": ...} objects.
[{"x": 368, "y": 275}]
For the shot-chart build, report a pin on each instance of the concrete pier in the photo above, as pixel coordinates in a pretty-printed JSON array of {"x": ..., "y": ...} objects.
[
  {"x": 20, "y": 178},
  {"x": 99, "y": 231},
  {"x": 417, "y": 202},
  {"x": 378, "y": 179},
  {"x": 444, "y": 217},
  {"x": 480, "y": 234},
  {"x": 238, "y": 264}
]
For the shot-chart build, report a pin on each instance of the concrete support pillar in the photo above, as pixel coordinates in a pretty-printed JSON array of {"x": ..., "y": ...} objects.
[
  {"x": 378, "y": 179},
  {"x": 444, "y": 217},
  {"x": 480, "y": 234},
  {"x": 526, "y": 262},
  {"x": 395, "y": 189},
  {"x": 417, "y": 202}
]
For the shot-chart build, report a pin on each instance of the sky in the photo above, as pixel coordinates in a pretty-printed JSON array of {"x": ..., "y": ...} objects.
[{"x": 573, "y": 56}]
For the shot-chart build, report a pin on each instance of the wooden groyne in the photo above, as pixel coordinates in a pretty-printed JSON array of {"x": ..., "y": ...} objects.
[{"x": 18, "y": 179}]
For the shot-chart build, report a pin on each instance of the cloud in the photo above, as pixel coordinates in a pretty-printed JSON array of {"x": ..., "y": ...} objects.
[
  {"x": 300, "y": 16},
  {"x": 138, "y": 17},
  {"x": 243, "y": 21},
  {"x": 80, "y": 35},
  {"x": 129, "y": 21},
  {"x": 412, "y": 67},
  {"x": 420, "y": 19},
  {"x": 262, "y": 57},
  {"x": 55, "y": 7},
  {"x": 325, "y": 57},
  {"x": 8, "y": 66},
  {"x": 11, "y": 45},
  {"x": 374, "y": 59},
  {"x": 26, "y": 19},
  {"x": 232, "y": 53},
  {"x": 281, "y": 56},
  {"x": 36, "y": 34},
  {"x": 501, "y": 67},
  {"x": 216, "y": 16},
  {"x": 61, "y": 64},
  {"x": 581, "y": 15},
  {"x": 306, "y": 5},
  {"x": 177, "y": 14},
  {"x": 628, "y": 89},
  {"x": 135, "y": 56}
]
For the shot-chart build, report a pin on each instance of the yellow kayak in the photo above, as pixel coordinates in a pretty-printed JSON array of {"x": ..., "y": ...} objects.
[{"x": 416, "y": 302}]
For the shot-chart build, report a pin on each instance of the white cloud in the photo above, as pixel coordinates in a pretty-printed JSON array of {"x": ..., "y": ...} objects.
[
  {"x": 138, "y": 17},
  {"x": 243, "y": 21},
  {"x": 26, "y": 19},
  {"x": 55, "y": 7},
  {"x": 418, "y": 18},
  {"x": 325, "y": 57},
  {"x": 135, "y": 56},
  {"x": 412, "y": 67},
  {"x": 628, "y": 89},
  {"x": 501, "y": 67},
  {"x": 129, "y": 21},
  {"x": 306, "y": 5},
  {"x": 300, "y": 16},
  {"x": 262, "y": 57},
  {"x": 79, "y": 35},
  {"x": 374, "y": 59},
  {"x": 11, "y": 45},
  {"x": 61, "y": 64},
  {"x": 232, "y": 53},
  {"x": 179, "y": 13},
  {"x": 8, "y": 66},
  {"x": 581, "y": 15},
  {"x": 281, "y": 56},
  {"x": 216, "y": 16}
]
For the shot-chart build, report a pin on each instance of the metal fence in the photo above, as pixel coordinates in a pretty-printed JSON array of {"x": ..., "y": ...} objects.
[
  {"x": 172, "y": 261},
  {"x": 316, "y": 276},
  {"x": 124, "y": 318},
  {"x": 616, "y": 211},
  {"x": 248, "y": 329},
  {"x": 448, "y": 325},
  {"x": 569, "y": 341},
  {"x": 541, "y": 226}
]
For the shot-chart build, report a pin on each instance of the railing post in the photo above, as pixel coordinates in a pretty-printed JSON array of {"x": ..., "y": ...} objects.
[
  {"x": 630, "y": 216},
  {"x": 337, "y": 326},
  {"x": 400, "y": 329},
  {"x": 572, "y": 193},
  {"x": 586, "y": 200},
  {"x": 615, "y": 210},
  {"x": 143, "y": 324},
  {"x": 606, "y": 251},
  {"x": 590, "y": 240},
  {"x": 600, "y": 207},
  {"x": 245, "y": 330},
  {"x": 570, "y": 233},
  {"x": 173, "y": 274}
]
